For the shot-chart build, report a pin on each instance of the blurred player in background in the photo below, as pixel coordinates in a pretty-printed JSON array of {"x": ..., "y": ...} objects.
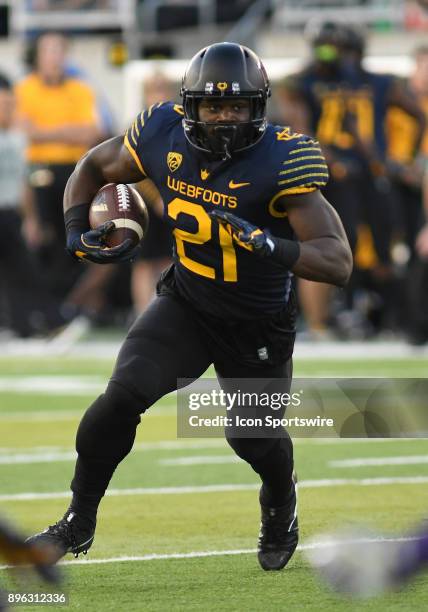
[
  {"x": 156, "y": 249},
  {"x": 20, "y": 554},
  {"x": 407, "y": 164},
  {"x": 59, "y": 116},
  {"x": 355, "y": 564},
  {"x": 301, "y": 109},
  {"x": 242, "y": 199},
  {"x": 407, "y": 154},
  {"x": 345, "y": 106}
]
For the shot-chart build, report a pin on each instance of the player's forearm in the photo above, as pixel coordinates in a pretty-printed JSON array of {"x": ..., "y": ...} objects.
[
  {"x": 109, "y": 162},
  {"x": 325, "y": 260},
  {"x": 84, "y": 183}
]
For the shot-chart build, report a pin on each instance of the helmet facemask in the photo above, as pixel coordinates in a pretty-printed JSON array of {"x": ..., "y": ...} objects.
[{"x": 221, "y": 139}]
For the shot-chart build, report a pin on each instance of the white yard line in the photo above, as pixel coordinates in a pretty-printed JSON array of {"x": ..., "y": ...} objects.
[
  {"x": 375, "y": 461},
  {"x": 42, "y": 454},
  {"x": 138, "y": 446},
  {"x": 197, "y": 444},
  {"x": 29, "y": 458},
  {"x": 357, "y": 350},
  {"x": 221, "y": 488},
  {"x": 70, "y": 385},
  {"x": 50, "y": 455},
  {"x": 208, "y": 553},
  {"x": 201, "y": 460},
  {"x": 304, "y": 350},
  {"x": 341, "y": 463},
  {"x": 41, "y": 415}
]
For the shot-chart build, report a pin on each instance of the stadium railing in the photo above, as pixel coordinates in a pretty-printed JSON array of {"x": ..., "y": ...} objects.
[{"x": 115, "y": 14}]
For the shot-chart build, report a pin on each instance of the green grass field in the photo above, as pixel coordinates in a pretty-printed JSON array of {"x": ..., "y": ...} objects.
[{"x": 139, "y": 561}]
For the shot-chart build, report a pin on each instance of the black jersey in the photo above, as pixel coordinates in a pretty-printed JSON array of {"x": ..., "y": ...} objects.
[
  {"x": 343, "y": 97},
  {"x": 211, "y": 271}
]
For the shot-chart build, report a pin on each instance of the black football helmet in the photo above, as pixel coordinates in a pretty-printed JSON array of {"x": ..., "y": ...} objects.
[
  {"x": 225, "y": 70},
  {"x": 325, "y": 32},
  {"x": 336, "y": 33}
]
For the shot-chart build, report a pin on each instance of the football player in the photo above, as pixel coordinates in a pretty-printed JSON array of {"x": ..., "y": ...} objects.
[
  {"x": 243, "y": 203},
  {"x": 362, "y": 566},
  {"x": 18, "y": 553},
  {"x": 345, "y": 106}
]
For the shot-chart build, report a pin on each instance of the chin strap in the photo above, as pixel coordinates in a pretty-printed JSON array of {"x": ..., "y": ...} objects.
[
  {"x": 226, "y": 152},
  {"x": 226, "y": 135}
]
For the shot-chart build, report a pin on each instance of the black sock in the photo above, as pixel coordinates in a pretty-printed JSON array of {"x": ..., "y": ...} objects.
[
  {"x": 276, "y": 470},
  {"x": 85, "y": 507}
]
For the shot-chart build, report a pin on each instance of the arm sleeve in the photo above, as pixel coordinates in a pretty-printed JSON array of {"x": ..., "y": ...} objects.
[
  {"x": 143, "y": 131},
  {"x": 304, "y": 169}
]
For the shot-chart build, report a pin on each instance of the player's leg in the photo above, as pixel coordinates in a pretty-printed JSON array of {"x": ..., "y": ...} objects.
[
  {"x": 270, "y": 457},
  {"x": 164, "y": 344}
]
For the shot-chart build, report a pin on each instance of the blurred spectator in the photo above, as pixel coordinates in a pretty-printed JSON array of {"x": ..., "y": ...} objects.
[
  {"x": 407, "y": 163},
  {"x": 59, "y": 116},
  {"x": 407, "y": 154},
  {"x": 107, "y": 123},
  {"x": 422, "y": 238},
  {"x": 28, "y": 308},
  {"x": 157, "y": 246},
  {"x": 418, "y": 288},
  {"x": 344, "y": 106}
]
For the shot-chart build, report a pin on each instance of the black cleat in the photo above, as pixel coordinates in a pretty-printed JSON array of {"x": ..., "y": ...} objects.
[
  {"x": 279, "y": 534},
  {"x": 67, "y": 535}
]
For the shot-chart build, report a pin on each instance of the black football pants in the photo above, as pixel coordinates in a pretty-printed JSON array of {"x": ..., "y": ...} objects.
[{"x": 167, "y": 343}]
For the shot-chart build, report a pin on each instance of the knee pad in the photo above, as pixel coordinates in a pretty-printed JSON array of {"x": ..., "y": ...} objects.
[
  {"x": 139, "y": 377},
  {"x": 109, "y": 423},
  {"x": 122, "y": 400}
]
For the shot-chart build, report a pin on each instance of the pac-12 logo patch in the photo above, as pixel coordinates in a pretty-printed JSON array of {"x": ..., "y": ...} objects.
[{"x": 174, "y": 160}]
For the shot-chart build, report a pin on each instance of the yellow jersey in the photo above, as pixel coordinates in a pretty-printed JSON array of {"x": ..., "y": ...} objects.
[
  {"x": 71, "y": 102},
  {"x": 402, "y": 131}
]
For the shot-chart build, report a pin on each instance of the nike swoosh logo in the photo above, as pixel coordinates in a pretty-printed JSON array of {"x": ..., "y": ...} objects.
[{"x": 233, "y": 185}]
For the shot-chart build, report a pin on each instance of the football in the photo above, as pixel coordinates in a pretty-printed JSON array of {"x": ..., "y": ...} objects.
[{"x": 123, "y": 205}]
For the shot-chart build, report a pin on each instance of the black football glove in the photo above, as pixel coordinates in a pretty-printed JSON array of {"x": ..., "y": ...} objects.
[
  {"x": 90, "y": 246},
  {"x": 244, "y": 233}
]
